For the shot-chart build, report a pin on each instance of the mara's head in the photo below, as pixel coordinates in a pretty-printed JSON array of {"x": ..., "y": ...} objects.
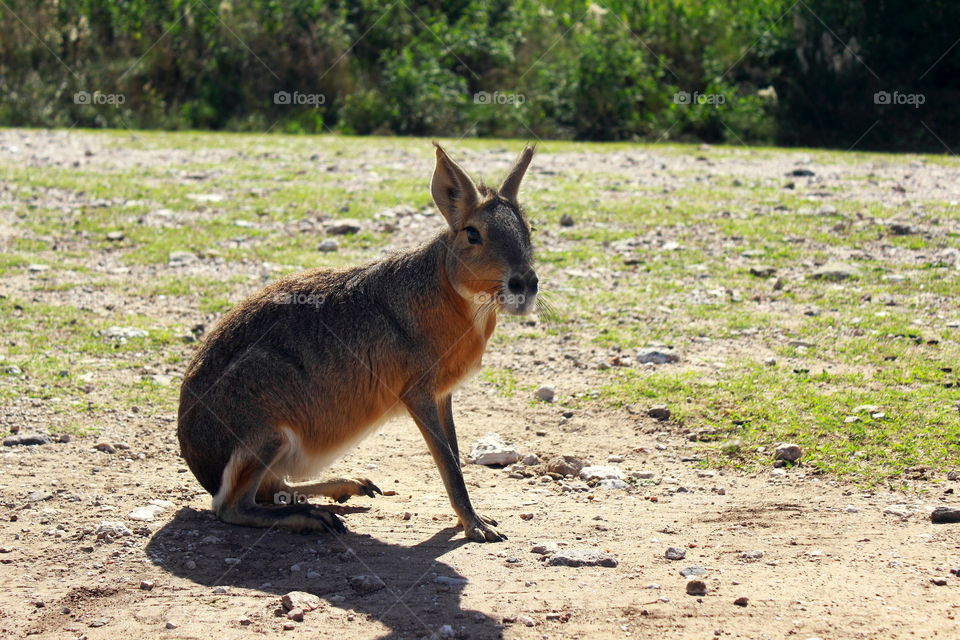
[{"x": 490, "y": 259}]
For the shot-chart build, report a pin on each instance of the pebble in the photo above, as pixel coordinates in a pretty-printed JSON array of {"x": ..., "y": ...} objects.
[
  {"x": 12, "y": 370},
  {"x": 675, "y": 553},
  {"x": 295, "y": 614},
  {"x": 741, "y": 602},
  {"x": 565, "y": 465},
  {"x": 446, "y": 632},
  {"x": 943, "y": 515},
  {"x": 344, "y": 226},
  {"x": 750, "y": 556},
  {"x": 171, "y": 625},
  {"x": 659, "y": 412},
  {"x": 106, "y": 447},
  {"x": 696, "y": 588},
  {"x": 115, "y": 236},
  {"x": 180, "y": 258},
  {"x": 146, "y": 513},
  {"x": 693, "y": 572},
  {"x": 545, "y": 392},
  {"x": 453, "y": 582},
  {"x": 300, "y": 600},
  {"x": 834, "y": 271},
  {"x": 289, "y": 625},
  {"x": 544, "y": 549},
  {"x": 492, "y": 450},
  {"x": 787, "y": 452},
  {"x": 26, "y": 439},
  {"x": 601, "y": 473},
  {"x": 526, "y": 621},
  {"x": 328, "y": 246},
  {"x": 899, "y": 510},
  {"x": 657, "y": 356},
  {"x": 110, "y": 530},
  {"x": 582, "y": 558},
  {"x": 615, "y": 458},
  {"x": 612, "y": 484},
  {"x": 531, "y": 459},
  {"x": 146, "y": 585},
  {"x": 763, "y": 271},
  {"x": 366, "y": 584}
]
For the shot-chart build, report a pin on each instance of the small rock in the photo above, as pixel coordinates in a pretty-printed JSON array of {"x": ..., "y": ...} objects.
[
  {"x": 612, "y": 484},
  {"x": 675, "y": 553},
  {"x": 37, "y": 268},
  {"x": 657, "y": 356},
  {"x": 328, "y": 246},
  {"x": 742, "y": 601},
  {"x": 531, "y": 459},
  {"x": 581, "y": 558},
  {"x": 693, "y": 572},
  {"x": 106, "y": 447},
  {"x": 565, "y": 465},
  {"x": 800, "y": 173},
  {"x": 940, "y": 582},
  {"x": 545, "y": 393},
  {"x": 600, "y": 473},
  {"x": 115, "y": 236},
  {"x": 834, "y": 271},
  {"x": 544, "y": 549},
  {"x": 146, "y": 585},
  {"x": 26, "y": 439},
  {"x": 12, "y": 370},
  {"x": 566, "y": 220},
  {"x": 526, "y": 516},
  {"x": 452, "y": 582},
  {"x": 147, "y": 513},
  {"x": 295, "y": 614},
  {"x": 901, "y": 229},
  {"x": 300, "y": 600},
  {"x": 100, "y": 622},
  {"x": 121, "y": 334},
  {"x": 770, "y": 362},
  {"x": 366, "y": 584},
  {"x": 696, "y": 588},
  {"x": 181, "y": 258},
  {"x": 290, "y": 625},
  {"x": 750, "y": 556},
  {"x": 787, "y": 452},
  {"x": 344, "y": 226},
  {"x": 492, "y": 450},
  {"x": 763, "y": 271},
  {"x": 944, "y": 515},
  {"x": 446, "y": 632},
  {"x": 112, "y": 530},
  {"x": 659, "y": 412},
  {"x": 899, "y": 510},
  {"x": 526, "y": 621}
]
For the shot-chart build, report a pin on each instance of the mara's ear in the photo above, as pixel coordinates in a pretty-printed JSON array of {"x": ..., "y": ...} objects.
[
  {"x": 452, "y": 189},
  {"x": 511, "y": 184}
]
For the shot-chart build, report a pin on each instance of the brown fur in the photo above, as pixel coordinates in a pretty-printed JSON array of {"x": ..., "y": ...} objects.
[{"x": 297, "y": 373}]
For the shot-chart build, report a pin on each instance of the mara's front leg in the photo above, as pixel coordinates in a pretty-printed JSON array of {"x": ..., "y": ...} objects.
[{"x": 426, "y": 412}]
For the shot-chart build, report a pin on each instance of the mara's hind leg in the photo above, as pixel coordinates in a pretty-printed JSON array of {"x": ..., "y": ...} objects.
[
  {"x": 339, "y": 489},
  {"x": 236, "y": 501}
]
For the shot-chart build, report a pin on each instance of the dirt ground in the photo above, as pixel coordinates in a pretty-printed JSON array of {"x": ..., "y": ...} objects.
[{"x": 814, "y": 557}]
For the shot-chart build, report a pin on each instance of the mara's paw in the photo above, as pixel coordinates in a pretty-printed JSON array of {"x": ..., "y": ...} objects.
[
  {"x": 483, "y": 530},
  {"x": 358, "y": 487}
]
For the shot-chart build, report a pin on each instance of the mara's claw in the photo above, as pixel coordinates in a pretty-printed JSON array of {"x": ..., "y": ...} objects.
[{"x": 482, "y": 530}]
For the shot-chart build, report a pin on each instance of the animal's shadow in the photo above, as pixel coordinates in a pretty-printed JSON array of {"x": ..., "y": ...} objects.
[{"x": 198, "y": 547}]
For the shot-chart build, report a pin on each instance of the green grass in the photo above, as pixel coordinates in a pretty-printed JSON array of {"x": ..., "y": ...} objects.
[{"x": 837, "y": 345}]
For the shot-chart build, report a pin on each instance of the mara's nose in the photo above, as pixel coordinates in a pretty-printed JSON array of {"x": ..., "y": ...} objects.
[{"x": 526, "y": 283}]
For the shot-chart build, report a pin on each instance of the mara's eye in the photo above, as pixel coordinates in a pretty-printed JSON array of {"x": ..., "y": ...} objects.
[{"x": 473, "y": 236}]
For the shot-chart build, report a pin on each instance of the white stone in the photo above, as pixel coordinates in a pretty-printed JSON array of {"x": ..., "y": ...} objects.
[{"x": 492, "y": 450}]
